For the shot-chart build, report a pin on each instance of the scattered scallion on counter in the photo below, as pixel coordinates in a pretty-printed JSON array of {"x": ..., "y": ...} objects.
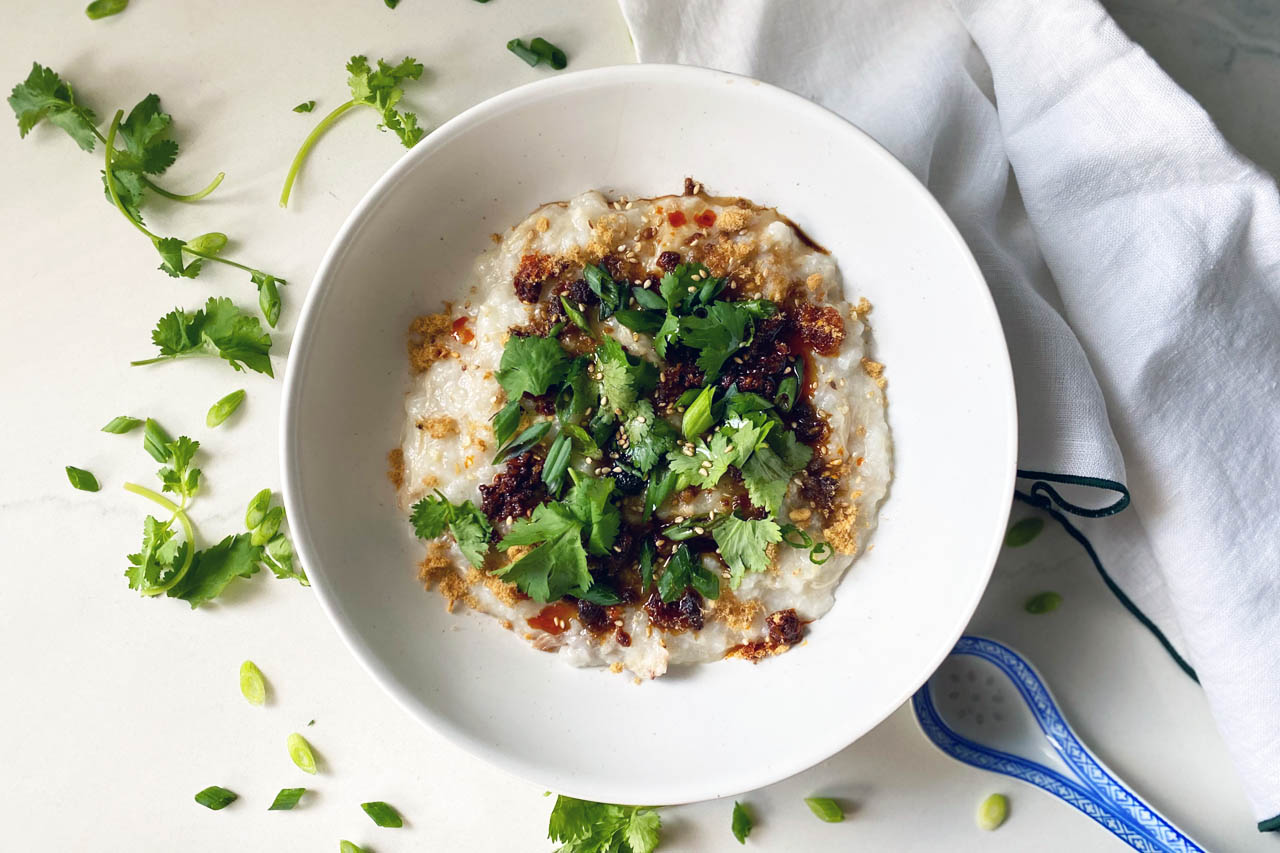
[
  {"x": 1043, "y": 602},
  {"x": 215, "y": 797},
  {"x": 122, "y": 424},
  {"x": 105, "y": 8},
  {"x": 301, "y": 754},
  {"x": 825, "y": 808},
  {"x": 539, "y": 50},
  {"x": 349, "y": 847},
  {"x": 82, "y": 479},
  {"x": 380, "y": 89},
  {"x": 993, "y": 811},
  {"x": 286, "y": 799},
  {"x": 305, "y": 107},
  {"x": 741, "y": 822},
  {"x": 1022, "y": 532},
  {"x": 383, "y": 814},
  {"x": 221, "y": 410},
  {"x": 252, "y": 685}
]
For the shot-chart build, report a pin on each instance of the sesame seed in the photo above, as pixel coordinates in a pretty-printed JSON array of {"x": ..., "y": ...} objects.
[
  {"x": 617, "y": 411},
  {"x": 688, "y": 451},
  {"x": 698, "y": 530},
  {"x": 582, "y": 306},
  {"x": 640, "y": 419},
  {"x": 617, "y": 622},
  {"x": 630, "y": 205},
  {"x": 678, "y": 519},
  {"x": 617, "y": 470},
  {"x": 693, "y": 289}
]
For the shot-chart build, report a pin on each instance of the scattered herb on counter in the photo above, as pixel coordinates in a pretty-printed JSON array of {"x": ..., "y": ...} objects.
[
  {"x": 741, "y": 825},
  {"x": 122, "y": 424},
  {"x": 252, "y": 685},
  {"x": 380, "y": 89},
  {"x": 825, "y": 808},
  {"x": 1043, "y": 602},
  {"x": 219, "y": 329},
  {"x": 538, "y": 50},
  {"x": 391, "y": 4},
  {"x": 1022, "y": 532},
  {"x": 216, "y": 797},
  {"x": 223, "y": 409},
  {"x": 264, "y": 523},
  {"x": 587, "y": 827},
  {"x": 992, "y": 812},
  {"x": 301, "y": 754},
  {"x": 305, "y": 107},
  {"x": 383, "y": 814},
  {"x": 148, "y": 150},
  {"x": 105, "y": 8},
  {"x": 82, "y": 479},
  {"x": 286, "y": 799},
  {"x": 348, "y": 847}
]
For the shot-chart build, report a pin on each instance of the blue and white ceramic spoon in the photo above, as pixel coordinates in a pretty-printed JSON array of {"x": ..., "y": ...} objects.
[{"x": 988, "y": 707}]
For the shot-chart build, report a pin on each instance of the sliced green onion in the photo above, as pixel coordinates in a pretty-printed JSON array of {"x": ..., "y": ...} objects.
[
  {"x": 208, "y": 244},
  {"x": 688, "y": 397},
  {"x": 270, "y": 525},
  {"x": 548, "y": 52},
  {"x": 648, "y": 299},
  {"x": 603, "y": 286},
  {"x": 286, "y": 799},
  {"x": 348, "y": 847},
  {"x": 105, "y": 8},
  {"x": 305, "y": 107},
  {"x": 697, "y": 418},
  {"x": 257, "y": 510},
  {"x": 786, "y": 396},
  {"x": 215, "y": 797},
  {"x": 575, "y": 315},
  {"x": 1023, "y": 532},
  {"x": 825, "y": 808},
  {"x": 252, "y": 685},
  {"x": 300, "y": 752},
  {"x": 383, "y": 814},
  {"x": 557, "y": 463},
  {"x": 391, "y": 4},
  {"x": 156, "y": 441},
  {"x": 823, "y": 550},
  {"x": 517, "y": 47},
  {"x": 121, "y": 424},
  {"x": 505, "y": 422},
  {"x": 269, "y": 300},
  {"x": 222, "y": 409},
  {"x": 795, "y": 537},
  {"x": 992, "y": 811},
  {"x": 82, "y": 479},
  {"x": 525, "y": 440},
  {"x": 741, "y": 825},
  {"x": 1043, "y": 602}
]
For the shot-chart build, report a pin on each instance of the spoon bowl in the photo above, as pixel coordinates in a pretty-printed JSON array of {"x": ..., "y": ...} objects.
[{"x": 988, "y": 707}]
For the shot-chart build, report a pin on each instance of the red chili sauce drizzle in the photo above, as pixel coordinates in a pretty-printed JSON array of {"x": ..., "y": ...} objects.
[
  {"x": 554, "y": 618},
  {"x": 676, "y": 218},
  {"x": 461, "y": 333},
  {"x": 706, "y": 218}
]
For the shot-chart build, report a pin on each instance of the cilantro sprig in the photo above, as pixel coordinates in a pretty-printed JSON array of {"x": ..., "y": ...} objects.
[
  {"x": 583, "y": 826},
  {"x": 148, "y": 151},
  {"x": 219, "y": 329},
  {"x": 381, "y": 89},
  {"x": 471, "y": 530}
]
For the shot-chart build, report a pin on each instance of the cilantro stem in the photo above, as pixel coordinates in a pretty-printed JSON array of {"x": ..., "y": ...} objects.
[
  {"x": 179, "y": 513},
  {"x": 159, "y": 190},
  {"x": 307, "y": 145},
  {"x": 109, "y": 147}
]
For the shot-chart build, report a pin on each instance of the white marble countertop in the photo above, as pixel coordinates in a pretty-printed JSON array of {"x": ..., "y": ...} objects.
[{"x": 117, "y": 710}]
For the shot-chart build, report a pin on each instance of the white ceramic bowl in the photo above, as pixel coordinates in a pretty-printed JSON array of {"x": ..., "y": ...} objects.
[{"x": 720, "y": 728}]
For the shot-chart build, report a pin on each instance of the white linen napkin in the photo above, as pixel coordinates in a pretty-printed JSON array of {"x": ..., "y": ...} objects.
[{"x": 1135, "y": 261}]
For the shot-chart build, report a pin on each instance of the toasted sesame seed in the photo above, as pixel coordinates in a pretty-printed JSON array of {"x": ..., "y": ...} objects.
[
  {"x": 699, "y": 531},
  {"x": 617, "y": 411},
  {"x": 693, "y": 289}
]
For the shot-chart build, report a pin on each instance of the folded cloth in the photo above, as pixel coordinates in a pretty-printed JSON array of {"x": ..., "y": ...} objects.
[{"x": 1134, "y": 258}]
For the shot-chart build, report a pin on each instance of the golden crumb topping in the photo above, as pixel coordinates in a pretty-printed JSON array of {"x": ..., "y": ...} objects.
[
  {"x": 395, "y": 467},
  {"x": 427, "y": 335}
]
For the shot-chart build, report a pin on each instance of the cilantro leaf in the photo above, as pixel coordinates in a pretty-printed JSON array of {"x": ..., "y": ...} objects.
[
  {"x": 588, "y": 827},
  {"x": 381, "y": 89},
  {"x": 791, "y": 451},
  {"x": 684, "y": 570},
  {"x": 531, "y": 366},
  {"x": 148, "y": 148},
  {"x": 218, "y": 329},
  {"x": 612, "y": 297},
  {"x": 215, "y": 567},
  {"x": 556, "y": 567},
  {"x": 744, "y": 545},
  {"x": 588, "y": 500},
  {"x": 469, "y": 526},
  {"x": 171, "y": 261},
  {"x": 278, "y": 557},
  {"x": 717, "y": 335},
  {"x": 181, "y": 479},
  {"x": 622, "y": 381},
  {"x": 767, "y": 474},
  {"x": 159, "y": 558},
  {"x": 746, "y": 435},
  {"x": 706, "y": 465},
  {"x": 649, "y": 437},
  {"x": 579, "y": 392},
  {"x": 45, "y": 95}
]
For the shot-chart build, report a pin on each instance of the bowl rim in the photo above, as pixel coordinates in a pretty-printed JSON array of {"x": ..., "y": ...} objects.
[{"x": 295, "y": 371}]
